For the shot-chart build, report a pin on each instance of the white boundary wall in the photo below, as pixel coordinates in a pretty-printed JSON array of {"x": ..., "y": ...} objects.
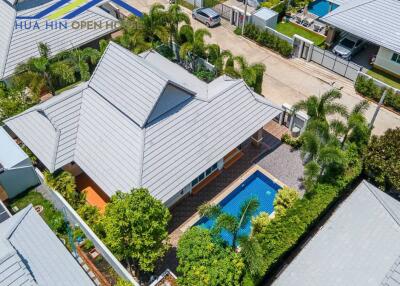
[{"x": 72, "y": 216}]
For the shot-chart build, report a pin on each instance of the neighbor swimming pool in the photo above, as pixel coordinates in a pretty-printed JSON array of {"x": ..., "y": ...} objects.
[
  {"x": 321, "y": 7},
  {"x": 257, "y": 185}
]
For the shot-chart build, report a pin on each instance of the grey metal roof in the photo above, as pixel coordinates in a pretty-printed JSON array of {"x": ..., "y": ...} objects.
[
  {"x": 357, "y": 246},
  {"x": 10, "y": 153},
  {"x": 376, "y": 21},
  {"x": 31, "y": 254},
  {"x": 18, "y": 45},
  {"x": 265, "y": 13},
  {"x": 140, "y": 124}
]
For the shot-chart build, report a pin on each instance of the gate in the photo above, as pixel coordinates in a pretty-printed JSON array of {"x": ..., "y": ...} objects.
[
  {"x": 335, "y": 63},
  {"x": 224, "y": 10}
]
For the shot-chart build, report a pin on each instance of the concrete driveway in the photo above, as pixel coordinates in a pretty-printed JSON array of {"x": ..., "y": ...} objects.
[{"x": 286, "y": 80}]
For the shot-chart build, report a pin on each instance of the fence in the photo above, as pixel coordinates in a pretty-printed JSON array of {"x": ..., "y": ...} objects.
[
  {"x": 195, "y": 3},
  {"x": 71, "y": 215},
  {"x": 331, "y": 61},
  {"x": 224, "y": 10}
]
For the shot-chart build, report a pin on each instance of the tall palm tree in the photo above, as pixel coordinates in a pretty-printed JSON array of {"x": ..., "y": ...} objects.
[
  {"x": 219, "y": 57},
  {"x": 39, "y": 73},
  {"x": 356, "y": 124},
  {"x": 252, "y": 74},
  {"x": 194, "y": 46},
  {"x": 175, "y": 16},
  {"x": 153, "y": 24},
  {"x": 230, "y": 223},
  {"x": 320, "y": 107},
  {"x": 133, "y": 37},
  {"x": 80, "y": 60}
]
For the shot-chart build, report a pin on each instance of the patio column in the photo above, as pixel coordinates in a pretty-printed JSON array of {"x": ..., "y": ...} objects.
[
  {"x": 330, "y": 36},
  {"x": 281, "y": 117},
  {"x": 257, "y": 138}
]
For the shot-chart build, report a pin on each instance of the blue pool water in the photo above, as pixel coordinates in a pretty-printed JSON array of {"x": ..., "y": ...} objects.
[
  {"x": 256, "y": 186},
  {"x": 320, "y": 7}
]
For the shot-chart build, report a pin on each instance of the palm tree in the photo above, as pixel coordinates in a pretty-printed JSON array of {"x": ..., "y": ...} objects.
[
  {"x": 230, "y": 223},
  {"x": 252, "y": 74},
  {"x": 153, "y": 24},
  {"x": 133, "y": 37},
  {"x": 175, "y": 16},
  {"x": 356, "y": 124},
  {"x": 39, "y": 73},
  {"x": 320, "y": 107},
  {"x": 79, "y": 60},
  {"x": 194, "y": 46},
  {"x": 219, "y": 58}
]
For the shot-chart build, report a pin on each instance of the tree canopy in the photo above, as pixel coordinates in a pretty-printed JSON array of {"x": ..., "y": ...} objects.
[
  {"x": 382, "y": 160},
  {"x": 135, "y": 226},
  {"x": 205, "y": 262}
]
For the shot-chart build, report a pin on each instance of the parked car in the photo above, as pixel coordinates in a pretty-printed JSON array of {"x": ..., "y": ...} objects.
[
  {"x": 348, "y": 46},
  {"x": 207, "y": 16}
]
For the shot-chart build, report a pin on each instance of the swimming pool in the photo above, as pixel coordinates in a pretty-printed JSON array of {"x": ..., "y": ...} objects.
[
  {"x": 257, "y": 185},
  {"x": 321, "y": 7}
]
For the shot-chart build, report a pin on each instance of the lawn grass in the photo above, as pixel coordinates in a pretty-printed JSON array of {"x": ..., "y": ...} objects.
[
  {"x": 384, "y": 77},
  {"x": 53, "y": 217},
  {"x": 289, "y": 29}
]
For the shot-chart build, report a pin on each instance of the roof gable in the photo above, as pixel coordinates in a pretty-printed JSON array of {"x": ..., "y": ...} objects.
[
  {"x": 10, "y": 153},
  {"x": 374, "y": 20}
]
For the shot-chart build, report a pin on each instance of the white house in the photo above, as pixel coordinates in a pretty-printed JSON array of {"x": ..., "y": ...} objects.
[
  {"x": 143, "y": 121},
  {"x": 376, "y": 21}
]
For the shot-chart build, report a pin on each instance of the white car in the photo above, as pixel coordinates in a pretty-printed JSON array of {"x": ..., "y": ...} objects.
[{"x": 348, "y": 47}]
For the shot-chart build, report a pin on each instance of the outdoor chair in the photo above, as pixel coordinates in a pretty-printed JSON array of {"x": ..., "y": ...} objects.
[
  {"x": 299, "y": 19},
  {"x": 318, "y": 27},
  {"x": 307, "y": 22}
]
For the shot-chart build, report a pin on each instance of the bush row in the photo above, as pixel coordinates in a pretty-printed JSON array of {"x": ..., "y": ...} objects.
[
  {"x": 283, "y": 233},
  {"x": 267, "y": 39},
  {"x": 369, "y": 89},
  {"x": 291, "y": 141}
]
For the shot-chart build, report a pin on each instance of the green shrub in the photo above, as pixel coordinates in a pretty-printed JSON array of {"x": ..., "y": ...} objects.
[
  {"x": 284, "y": 232},
  {"x": 284, "y": 200},
  {"x": 294, "y": 142},
  {"x": 267, "y": 39},
  {"x": 392, "y": 99}
]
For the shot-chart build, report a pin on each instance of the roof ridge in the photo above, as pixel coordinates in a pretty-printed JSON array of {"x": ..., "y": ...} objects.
[
  {"x": 383, "y": 203},
  {"x": 344, "y": 9}
]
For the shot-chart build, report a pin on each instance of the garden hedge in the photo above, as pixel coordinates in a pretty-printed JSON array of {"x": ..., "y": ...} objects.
[
  {"x": 267, "y": 39},
  {"x": 284, "y": 233},
  {"x": 368, "y": 88}
]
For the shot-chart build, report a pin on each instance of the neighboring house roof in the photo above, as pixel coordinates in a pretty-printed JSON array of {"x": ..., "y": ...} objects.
[
  {"x": 358, "y": 245},
  {"x": 10, "y": 153},
  {"x": 31, "y": 254},
  {"x": 376, "y": 21},
  {"x": 143, "y": 121},
  {"x": 17, "y": 45}
]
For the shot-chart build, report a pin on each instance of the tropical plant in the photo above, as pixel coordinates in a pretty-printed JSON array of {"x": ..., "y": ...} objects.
[
  {"x": 153, "y": 24},
  {"x": 219, "y": 57},
  {"x": 355, "y": 127},
  {"x": 382, "y": 160},
  {"x": 230, "y": 223},
  {"x": 80, "y": 60},
  {"x": 252, "y": 74},
  {"x": 40, "y": 73},
  {"x": 175, "y": 16},
  {"x": 318, "y": 108},
  {"x": 251, "y": 253},
  {"x": 285, "y": 199},
  {"x": 259, "y": 222},
  {"x": 194, "y": 46},
  {"x": 92, "y": 216},
  {"x": 135, "y": 226},
  {"x": 64, "y": 183},
  {"x": 133, "y": 37},
  {"x": 203, "y": 261}
]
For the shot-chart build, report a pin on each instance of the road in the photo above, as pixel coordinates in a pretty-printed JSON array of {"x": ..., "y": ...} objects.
[{"x": 287, "y": 80}]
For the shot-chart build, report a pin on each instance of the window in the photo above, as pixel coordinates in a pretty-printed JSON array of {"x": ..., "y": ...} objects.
[
  {"x": 204, "y": 174},
  {"x": 396, "y": 58}
]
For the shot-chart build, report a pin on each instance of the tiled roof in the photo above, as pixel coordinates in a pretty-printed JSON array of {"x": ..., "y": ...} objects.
[
  {"x": 376, "y": 21},
  {"x": 357, "y": 246},
  {"x": 145, "y": 121}
]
